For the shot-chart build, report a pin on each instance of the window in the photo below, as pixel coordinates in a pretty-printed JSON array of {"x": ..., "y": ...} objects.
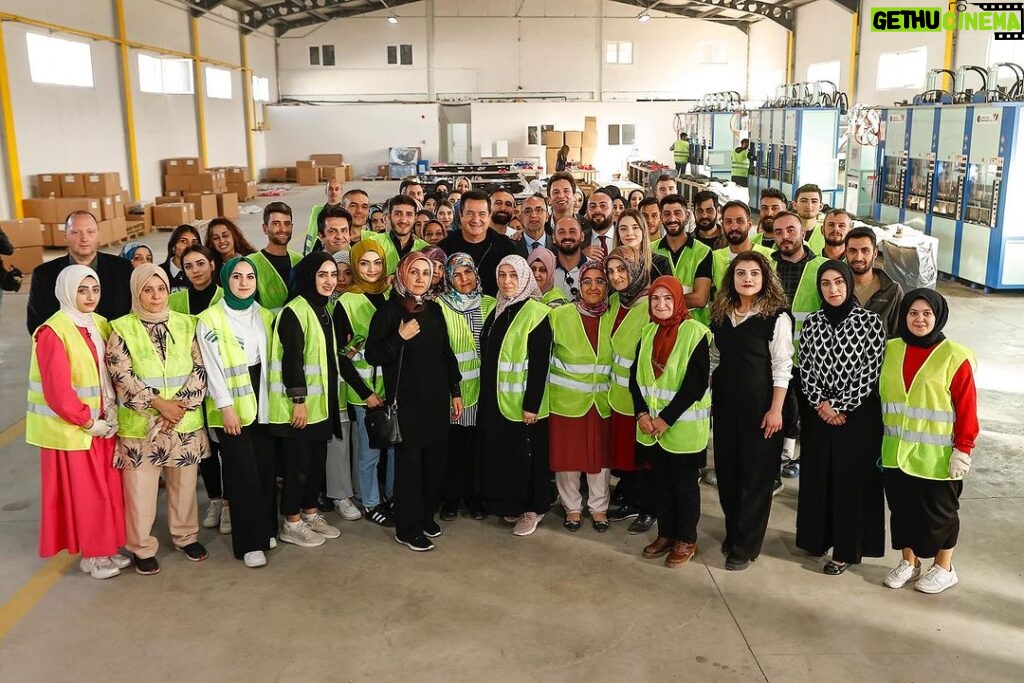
[
  {"x": 218, "y": 83},
  {"x": 328, "y": 52},
  {"x": 400, "y": 54},
  {"x": 824, "y": 71},
  {"x": 165, "y": 76},
  {"x": 904, "y": 69},
  {"x": 618, "y": 53},
  {"x": 314, "y": 55},
  {"x": 1000, "y": 51},
  {"x": 392, "y": 54},
  {"x": 621, "y": 133},
  {"x": 59, "y": 62},
  {"x": 260, "y": 89},
  {"x": 713, "y": 52}
]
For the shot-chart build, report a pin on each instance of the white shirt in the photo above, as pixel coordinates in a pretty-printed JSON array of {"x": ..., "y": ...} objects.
[
  {"x": 542, "y": 242},
  {"x": 780, "y": 347},
  {"x": 247, "y": 326},
  {"x": 595, "y": 240}
]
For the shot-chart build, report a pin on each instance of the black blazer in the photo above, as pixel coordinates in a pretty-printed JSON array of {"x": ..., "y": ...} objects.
[{"x": 115, "y": 294}]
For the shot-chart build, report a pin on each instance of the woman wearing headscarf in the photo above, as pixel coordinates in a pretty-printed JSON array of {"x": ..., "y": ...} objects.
[
  {"x": 542, "y": 264},
  {"x": 752, "y": 361},
  {"x": 515, "y": 344},
  {"x": 631, "y": 231},
  {"x": 629, "y": 276},
  {"x": 364, "y": 383},
  {"x": 580, "y": 374},
  {"x": 669, "y": 384},
  {"x": 137, "y": 254},
  {"x": 72, "y": 418},
  {"x": 930, "y": 416},
  {"x": 465, "y": 308},
  {"x": 840, "y": 504},
  {"x": 181, "y": 238},
  {"x": 437, "y": 259},
  {"x": 158, "y": 374},
  {"x": 234, "y": 338},
  {"x": 409, "y": 340},
  {"x": 304, "y": 401}
]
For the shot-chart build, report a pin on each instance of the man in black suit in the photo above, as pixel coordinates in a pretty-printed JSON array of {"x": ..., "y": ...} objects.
[
  {"x": 82, "y": 233},
  {"x": 535, "y": 219}
]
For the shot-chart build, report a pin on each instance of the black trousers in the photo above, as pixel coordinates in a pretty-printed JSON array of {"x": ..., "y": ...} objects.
[
  {"x": 639, "y": 489},
  {"x": 419, "y": 478},
  {"x": 677, "y": 484},
  {"x": 209, "y": 469},
  {"x": 460, "y": 469},
  {"x": 305, "y": 466},
  {"x": 249, "y": 474}
]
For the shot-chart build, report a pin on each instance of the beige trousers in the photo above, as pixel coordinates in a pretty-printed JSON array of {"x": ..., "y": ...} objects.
[
  {"x": 141, "y": 488},
  {"x": 568, "y": 484}
]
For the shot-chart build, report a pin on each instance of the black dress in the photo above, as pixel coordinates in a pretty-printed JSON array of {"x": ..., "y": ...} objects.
[{"x": 513, "y": 470}]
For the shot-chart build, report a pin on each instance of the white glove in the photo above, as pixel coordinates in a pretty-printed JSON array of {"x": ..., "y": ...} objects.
[
  {"x": 100, "y": 428},
  {"x": 959, "y": 465},
  {"x": 111, "y": 428}
]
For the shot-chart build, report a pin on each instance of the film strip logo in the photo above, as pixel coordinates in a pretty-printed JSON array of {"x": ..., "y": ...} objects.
[{"x": 1000, "y": 7}]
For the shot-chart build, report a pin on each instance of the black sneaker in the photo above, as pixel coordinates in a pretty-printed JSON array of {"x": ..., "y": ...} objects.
[
  {"x": 419, "y": 544},
  {"x": 735, "y": 564},
  {"x": 431, "y": 529},
  {"x": 777, "y": 487},
  {"x": 622, "y": 512},
  {"x": 449, "y": 510},
  {"x": 194, "y": 552},
  {"x": 641, "y": 525},
  {"x": 380, "y": 516},
  {"x": 146, "y": 565}
]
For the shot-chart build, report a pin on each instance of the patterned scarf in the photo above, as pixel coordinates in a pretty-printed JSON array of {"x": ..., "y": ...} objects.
[
  {"x": 591, "y": 310},
  {"x": 639, "y": 274},
  {"x": 451, "y": 296},
  {"x": 527, "y": 289}
]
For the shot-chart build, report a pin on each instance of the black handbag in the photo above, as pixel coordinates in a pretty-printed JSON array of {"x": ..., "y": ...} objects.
[
  {"x": 10, "y": 278},
  {"x": 382, "y": 427}
]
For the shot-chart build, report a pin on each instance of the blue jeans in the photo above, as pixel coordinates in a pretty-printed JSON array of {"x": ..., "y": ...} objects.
[{"x": 368, "y": 460}]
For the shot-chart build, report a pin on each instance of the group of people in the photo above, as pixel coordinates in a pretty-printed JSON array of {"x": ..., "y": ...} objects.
[{"x": 525, "y": 366}]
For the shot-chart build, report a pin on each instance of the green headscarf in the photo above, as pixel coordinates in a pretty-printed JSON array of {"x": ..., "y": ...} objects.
[{"x": 230, "y": 299}]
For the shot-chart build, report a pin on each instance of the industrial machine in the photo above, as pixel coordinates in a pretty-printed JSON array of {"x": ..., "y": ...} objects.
[
  {"x": 713, "y": 126},
  {"x": 862, "y": 132},
  {"x": 949, "y": 161}
]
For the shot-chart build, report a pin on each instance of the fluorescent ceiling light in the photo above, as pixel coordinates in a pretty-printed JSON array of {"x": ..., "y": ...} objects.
[
  {"x": 392, "y": 19},
  {"x": 644, "y": 17}
]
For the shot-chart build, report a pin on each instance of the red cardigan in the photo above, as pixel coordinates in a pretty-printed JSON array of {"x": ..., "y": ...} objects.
[
  {"x": 962, "y": 391},
  {"x": 55, "y": 373}
]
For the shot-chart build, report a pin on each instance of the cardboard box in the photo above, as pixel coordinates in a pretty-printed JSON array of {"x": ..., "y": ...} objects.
[
  {"x": 202, "y": 182},
  {"x": 306, "y": 175},
  {"x": 106, "y": 208},
  {"x": 53, "y": 235},
  {"x": 291, "y": 174},
  {"x": 382, "y": 171},
  {"x": 348, "y": 171},
  {"x": 47, "y": 185},
  {"x": 205, "y": 205},
  {"x": 245, "y": 191},
  {"x": 167, "y": 199},
  {"x": 106, "y": 232},
  {"x": 119, "y": 202},
  {"x": 575, "y": 153},
  {"x": 275, "y": 174},
  {"x": 72, "y": 185},
  {"x": 25, "y": 259},
  {"x": 552, "y": 138},
  {"x": 305, "y": 164},
  {"x": 102, "y": 184},
  {"x": 236, "y": 174},
  {"x": 26, "y": 232},
  {"x": 227, "y": 205},
  {"x": 176, "y": 183},
  {"x": 574, "y": 138},
  {"x": 590, "y": 138},
  {"x": 43, "y": 209},
  {"x": 142, "y": 211},
  {"x": 173, "y": 215},
  {"x": 183, "y": 166},
  {"x": 588, "y": 155},
  {"x": 65, "y": 205},
  {"x": 329, "y": 173},
  {"x": 550, "y": 159},
  {"x": 590, "y": 124},
  {"x": 327, "y": 159},
  {"x": 119, "y": 228}
]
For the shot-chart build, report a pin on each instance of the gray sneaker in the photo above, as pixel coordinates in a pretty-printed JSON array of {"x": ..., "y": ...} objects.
[
  {"x": 300, "y": 534},
  {"x": 318, "y": 524},
  {"x": 527, "y": 523}
]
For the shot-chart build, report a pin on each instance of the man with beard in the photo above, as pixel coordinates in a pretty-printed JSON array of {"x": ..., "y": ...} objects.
[
  {"x": 411, "y": 187},
  {"x": 652, "y": 217},
  {"x": 665, "y": 186},
  {"x": 736, "y": 228},
  {"x": 399, "y": 239},
  {"x": 568, "y": 243},
  {"x": 333, "y": 193},
  {"x": 705, "y": 216},
  {"x": 874, "y": 289},
  {"x": 485, "y": 246},
  {"x": 773, "y": 202},
  {"x": 600, "y": 238},
  {"x": 503, "y": 208},
  {"x": 835, "y": 227},
  {"x": 357, "y": 203},
  {"x": 690, "y": 259},
  {"x": 535, "y": 218},
  {"x": 561, "y": 194},
  {"x": 274, "y": 263},
  {"x": 807, "y": 203}
]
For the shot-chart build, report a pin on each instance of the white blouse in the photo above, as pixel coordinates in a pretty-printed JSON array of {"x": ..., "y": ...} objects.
[{"x": 247, "y": 326}]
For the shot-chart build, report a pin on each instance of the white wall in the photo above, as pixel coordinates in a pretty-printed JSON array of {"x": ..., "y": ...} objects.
[
  {"x": 766, "y": 60},
  {"x": 872, "y": 44},
  {"x": 823, "y": 31}
]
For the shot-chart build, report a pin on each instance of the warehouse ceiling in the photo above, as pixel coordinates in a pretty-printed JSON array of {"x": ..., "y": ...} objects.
[{"x": 285, "y": 15}]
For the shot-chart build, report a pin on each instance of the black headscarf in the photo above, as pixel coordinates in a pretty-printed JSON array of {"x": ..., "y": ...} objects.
[
  {"x": 939, "y": 307},
  {"x": 837, "y": 314},
  {"x": 304, "y": 278}
]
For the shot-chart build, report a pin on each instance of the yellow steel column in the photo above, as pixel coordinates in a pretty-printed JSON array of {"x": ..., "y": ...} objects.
[
  {"x": 852, "y": 85},
  {"x": 949, "y": 55},
  {"x": 200, "y": 91},
  {"x": 789, "y": 56},
  {"x": 129, "y": 114},
  {"x": 10, "y": 142},
  {"x": 250, "y": 116}
]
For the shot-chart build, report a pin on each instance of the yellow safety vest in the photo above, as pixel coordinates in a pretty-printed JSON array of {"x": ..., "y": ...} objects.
[
  {"x": 314, "y": 366},
  {"x": 579, "y": 377},
  {"x": 312, "y": 233},
  {"x": 43, "y": 427},
  {"x": 740, "y": 163},
  {"x": 466, "y": 348},
  {"x": 554, "y": 297},
  {"x": 685, "y": 269},
  {"x": 918, "y": 424},
  {"x": 360, "y": 310},
  {"x": 390, "y": 252},
  {"x": 271, "y": 289},
  {"x": 720, "y": 261},
  {"x": 807, "y": 300},
  {"x": 624, "y": 341},
  {"x": 689, "y": 433},
  {"x": 167, "y": 376},
  {"x": 178, "y": 301},
  {"x": 513, "y": 363},
  {"x": 681, "y": 151}
]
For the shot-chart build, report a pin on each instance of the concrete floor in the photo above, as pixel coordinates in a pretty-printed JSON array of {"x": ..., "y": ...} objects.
[{"x": 486, "y": 606}]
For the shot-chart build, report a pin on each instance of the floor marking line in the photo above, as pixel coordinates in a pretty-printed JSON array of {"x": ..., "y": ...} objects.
[
  {"x": 22, "y": 602},
  {"x": 13, "y": 432}
]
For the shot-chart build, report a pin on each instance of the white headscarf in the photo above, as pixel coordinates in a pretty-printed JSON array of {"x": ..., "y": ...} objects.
[
  {"x": 528, "y": 288},
  {"x": 68, "y": 281}
]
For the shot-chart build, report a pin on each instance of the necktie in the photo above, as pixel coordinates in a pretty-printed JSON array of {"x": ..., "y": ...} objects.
[
  {"x": 534, "y": 245},
  {"x": 604, "y": 243}
]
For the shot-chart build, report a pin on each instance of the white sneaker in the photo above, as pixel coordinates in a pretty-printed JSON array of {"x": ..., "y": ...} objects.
[
  {"x": 120, "y": 561},
  {"x": 347, "y": 509},
  {"x": 98, "y": 567},
  {"x": 255, "y": 559},
  {"x": 225, "y": 520},
  {"x": 899, "y": 575},
  {"x": 937, "y": 579},
  {"x": 273, "y": 542},
  {"x": 212, "y": 518},
  {"x": 318, "y": 524},
  {"x": 788, "y": 450},
  {"x": 300, "y": 534}
]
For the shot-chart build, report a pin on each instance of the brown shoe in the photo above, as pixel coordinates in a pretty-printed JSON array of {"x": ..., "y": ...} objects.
[
  {"x": 681, "y": 554},
  {"x": 660, "y": 546}
]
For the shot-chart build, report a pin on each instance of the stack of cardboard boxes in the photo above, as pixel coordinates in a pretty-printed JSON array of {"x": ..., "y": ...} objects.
[
  {"x": 582, "y": 145},
  {"x": 26, "y": 235},
  {"x": 319, "y": 168},
  {"x": 58, "y": 194},
  {"x": 192, "y": 192}
]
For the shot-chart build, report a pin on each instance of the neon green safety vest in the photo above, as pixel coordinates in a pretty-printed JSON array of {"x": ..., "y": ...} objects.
[
  {"x": 272, "y": 290},
  {"x": 817, "y": 239},
  {"x": 720, "y": 261},
  {"x": 513, "y": 363},
  {"x": 43, "y": 427},
  {"x": 681, "y": 151},
  {"x": 918, "y": 424},
  {"x": 579, "y": 377},
  {"x": 689, "y": 433},
  {"x": 236, "y": 366},
  {"x": 466, "y": 348},
  {"x": 807, "y": 300},
  {"x": 554, "y": 297},
  {"x": 740, "y": 163},
  {"x": 624, "y": 340},
  {"x": 314, "y": 366},
  {"x": 360, "y": 310},
  {"x": 312, "y": 233},
  {"x": 167, "y": 377},
  {"x": 390, "y": 252},
  {"x": 178, "y": 301},
  {"x": 685, "y": 269}
]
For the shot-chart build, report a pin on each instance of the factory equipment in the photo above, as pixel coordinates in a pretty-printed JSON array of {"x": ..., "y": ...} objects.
[
  {"x": 715, "y": 134},
  {"x": 861, "y": 166}
]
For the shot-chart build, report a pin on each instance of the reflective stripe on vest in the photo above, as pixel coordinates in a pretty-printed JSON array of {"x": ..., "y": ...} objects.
[
  {"x": 466, "y": 346},
  {"x": 314, "y": 367},
  {"x": 513, "y": 365},
  {"x": 917, "y": 432},
  {"x": 624, "y": 340},
  {"x": 579, "y": 376},
  {"x": 312, "y": 230},
  {"x": 43, "y": 427},
  {"x": 690, "y": 433},
  {"x": 271, "y": 289},
  {"x": 167, "y": 376},
  {"x": 236, "y": 372},
  {"x": 359, "y": 310},
  {"x": 681, "y": 151},
  {"x": 685, "y": 269}
]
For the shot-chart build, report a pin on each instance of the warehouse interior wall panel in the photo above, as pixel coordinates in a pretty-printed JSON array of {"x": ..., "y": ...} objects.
[
  {"x": 811, "y": 45},
  {"x": 156, "y": 23},
  {"x": 766, "y": 59},
  {"x": 874, "y": 43},
  {"x": 95, "y": 16}
]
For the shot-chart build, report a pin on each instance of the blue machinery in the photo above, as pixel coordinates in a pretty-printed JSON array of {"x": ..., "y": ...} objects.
[
  {"x": 947, "y": 164},
  {"x": 712, "y": 127}
]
